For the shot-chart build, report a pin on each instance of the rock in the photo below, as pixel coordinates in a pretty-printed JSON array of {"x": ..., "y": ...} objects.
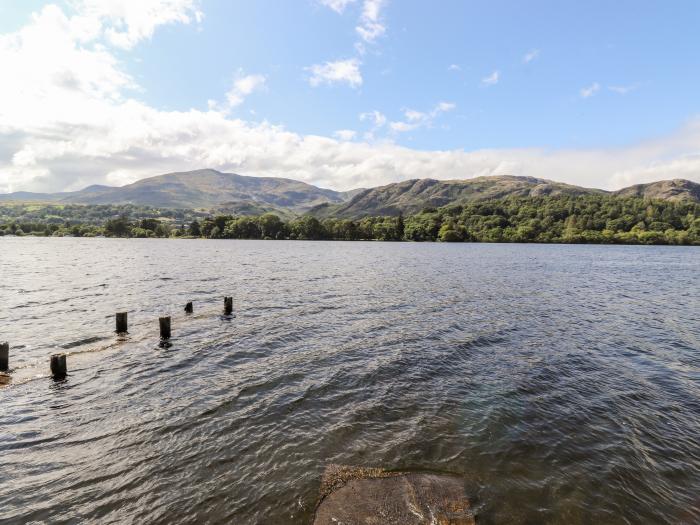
[{"x": 371, "y": 496}]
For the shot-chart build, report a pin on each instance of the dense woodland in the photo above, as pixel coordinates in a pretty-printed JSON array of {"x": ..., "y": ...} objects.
[{"x": 561, "y": 219}]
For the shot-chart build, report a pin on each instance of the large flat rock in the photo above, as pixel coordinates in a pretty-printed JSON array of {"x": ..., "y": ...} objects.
[{"x": 358, "y": 496}]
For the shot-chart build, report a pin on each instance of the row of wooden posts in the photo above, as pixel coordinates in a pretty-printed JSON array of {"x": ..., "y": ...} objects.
[{"x": 59, "y": 368}]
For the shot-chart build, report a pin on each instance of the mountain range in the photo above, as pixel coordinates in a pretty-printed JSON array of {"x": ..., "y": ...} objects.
[
  {"x": 411, "y": 196},
  {"x": 246, "y": 195}
]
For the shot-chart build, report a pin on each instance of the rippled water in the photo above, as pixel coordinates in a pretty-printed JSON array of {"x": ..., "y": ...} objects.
[{"x": 562, "y": 382}]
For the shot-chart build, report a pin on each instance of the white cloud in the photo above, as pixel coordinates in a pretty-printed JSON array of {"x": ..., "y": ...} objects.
[
  {"x": 377, "y": 118},
  {"x": 47, "y": 74},
  {"x": 336, "y": 5},
  {"x": 589, "y": 91},
  {"x": 134, "y": 141},
  {"x": 454, "y": 67},
  {"x": 444, "y": 106},
  {"x": 371, "y": 25},
  {"x": 69, "y": 117},
  {"x": 243, "y": 86},
  {"x": 416, "y": 119},
  {"x": 623, "y": 90},
  {"x": 345, "y": 134},
  {"x": 531, "y": 55},
  {"x": 492, "y": 79},
  {"x": 340, "y": 71},
  {"x": 127, "y": 22},
  {"x": 401, "y": 127},
  {"x": 414, "y": 116}
]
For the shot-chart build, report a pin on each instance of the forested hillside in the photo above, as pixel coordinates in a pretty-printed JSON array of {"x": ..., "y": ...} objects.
[{"x": 594, "y": 218}]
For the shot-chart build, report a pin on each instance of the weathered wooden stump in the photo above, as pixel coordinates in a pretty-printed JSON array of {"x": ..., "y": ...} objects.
[
  {"x": 355, "y": 495},
  {"x": 4, "y": 357},
  {"x": 5, "y": 379},
  {"x": 122, "y": 323},
  {"x": 59, "y": 369},
  {"x": 189, "y": 308},
  {"x": 228, "y": 305},
  {"x": 164, "y": 327}
]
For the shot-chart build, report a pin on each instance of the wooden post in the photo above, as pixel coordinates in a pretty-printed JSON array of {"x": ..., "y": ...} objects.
[
  {"x": 164, "y": 327},
  {"x": 228, "y": 305},
  {"x": 122, "y": 325},
  {"x": 58, "y": 366},
  {"x": 188, "y": 308},
  {"x": 4, "y": 357}
]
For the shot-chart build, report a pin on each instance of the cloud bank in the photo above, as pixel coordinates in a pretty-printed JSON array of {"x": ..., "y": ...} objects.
[{"x": 70, "y": 116}]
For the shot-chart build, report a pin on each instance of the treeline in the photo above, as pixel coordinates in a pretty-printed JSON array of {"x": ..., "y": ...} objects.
[
  {"x": 81, "y": 220},
  {"x": 93, "y": 213},
  {"x": 49, "y": 218},
  {"x": 560, "y": 219}
]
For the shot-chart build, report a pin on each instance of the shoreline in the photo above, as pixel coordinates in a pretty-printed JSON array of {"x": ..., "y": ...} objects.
[{"x": 402, "y": 241}]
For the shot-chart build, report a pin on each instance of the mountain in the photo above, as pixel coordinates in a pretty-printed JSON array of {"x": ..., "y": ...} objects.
[
  {"x": 199, "y": 189},
  {"x": 243, "y": 195},
  {"x": 670, "y": 190},
  {"x": 28, "y": 196},
  {"x": 411, "y": 196}
]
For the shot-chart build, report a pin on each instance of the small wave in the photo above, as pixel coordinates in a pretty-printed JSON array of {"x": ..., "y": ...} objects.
[{"x": 82, "y": 342}]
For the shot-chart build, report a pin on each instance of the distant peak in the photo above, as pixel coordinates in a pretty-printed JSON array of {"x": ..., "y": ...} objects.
[{"x": 96, "y": 187}]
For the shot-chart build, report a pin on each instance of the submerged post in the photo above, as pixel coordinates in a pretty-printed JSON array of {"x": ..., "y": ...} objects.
[
  {"x": 188, "y": 308},
  {"x": 58, "y": 366},
  {"x": 164, "y": 327},
  {"x": 4, "y": 357},
  {"x": 122, "y": 324},
  {"x": 228, "y": 305}
]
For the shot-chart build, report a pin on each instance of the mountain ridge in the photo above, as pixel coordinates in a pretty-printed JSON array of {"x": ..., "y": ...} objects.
[
  {"x": 246, "y": 195},
  {"x": 413, "y": 195},
  {"x": 203, "y": 188}
]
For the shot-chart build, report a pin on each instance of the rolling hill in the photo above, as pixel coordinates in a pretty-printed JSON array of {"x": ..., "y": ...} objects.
[
  {"x": 671, "y": 190},
  {"x": 245, "y": 195},
  {"x": 199, "y": 189},
  {"x": 414, "y": 195}
]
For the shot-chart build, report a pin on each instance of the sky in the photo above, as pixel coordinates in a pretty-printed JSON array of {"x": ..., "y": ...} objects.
[{"x": 348, "y": 93}]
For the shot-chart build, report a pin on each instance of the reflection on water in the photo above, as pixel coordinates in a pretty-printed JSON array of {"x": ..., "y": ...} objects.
[{"x": 562, "y": 382}]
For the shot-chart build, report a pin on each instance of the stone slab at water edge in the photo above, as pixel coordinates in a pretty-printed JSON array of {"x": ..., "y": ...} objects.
[{"x": 356, "y": 495}]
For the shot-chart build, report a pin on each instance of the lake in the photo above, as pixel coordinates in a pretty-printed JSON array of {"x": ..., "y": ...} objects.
[{"x": 562, "y": 383}]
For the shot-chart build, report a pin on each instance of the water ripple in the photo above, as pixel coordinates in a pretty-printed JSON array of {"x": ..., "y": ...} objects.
[{"x": 561, "y": 382}]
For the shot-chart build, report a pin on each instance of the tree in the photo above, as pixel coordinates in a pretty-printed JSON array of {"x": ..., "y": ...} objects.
[
  {"x": 448, "y": 233},
  {"x": 195, "y": 230},
  {"x": 162, "y": 230},
  {"x": 141, "y": 232},
  {"x": 117, "y": 227},
  {"x": 271, "y": 226},
  {"x": 242, "y": 228},
  {"x": 149, "y": 224},
  {"x": 307, "y": 227}
]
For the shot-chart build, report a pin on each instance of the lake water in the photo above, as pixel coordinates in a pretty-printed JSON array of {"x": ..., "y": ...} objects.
[{"x": 561, "y": 382}]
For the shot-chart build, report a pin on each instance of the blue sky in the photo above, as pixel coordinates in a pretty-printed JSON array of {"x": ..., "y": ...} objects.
[{"x": 594, "y": 93}]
